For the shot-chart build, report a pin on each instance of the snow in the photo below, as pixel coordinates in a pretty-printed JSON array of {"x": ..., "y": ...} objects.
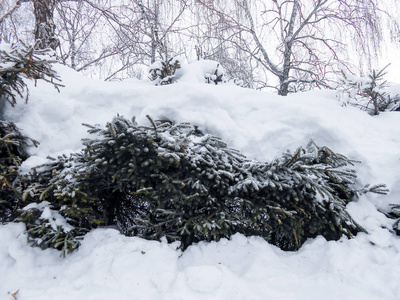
[
  {"x": 54, "y": 218},
  {"x": 199, "y": 70},
  {"x": 109, "y": 265}
]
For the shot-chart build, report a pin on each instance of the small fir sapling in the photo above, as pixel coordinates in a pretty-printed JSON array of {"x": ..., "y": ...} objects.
[
  {"x": 370, "y": 93},
  {"x": 214, "y": 73},
  {"x": 171, "y": 180},
  {"x": 217, "y": 75},
  {"x": 162, "y": 71}
]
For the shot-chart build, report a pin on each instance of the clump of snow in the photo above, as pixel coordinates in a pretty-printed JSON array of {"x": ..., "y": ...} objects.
[
  {"x": 53, "y": 217},
  {"x": 109, "y": 265},
  {"x": 199, "y": 71}
]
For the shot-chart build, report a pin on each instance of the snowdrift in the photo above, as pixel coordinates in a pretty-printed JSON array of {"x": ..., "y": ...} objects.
[{"x": 261, "y": 126}]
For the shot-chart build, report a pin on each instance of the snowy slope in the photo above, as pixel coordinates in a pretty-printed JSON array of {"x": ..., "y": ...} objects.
[{"x": 260, "y": 125}]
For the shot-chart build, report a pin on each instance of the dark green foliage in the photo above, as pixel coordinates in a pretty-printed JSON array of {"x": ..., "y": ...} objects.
[
  {"x": 395, "y": 214},
  {"x": 18, "y": 62},
  {"x": 51, "y": 186},
  {"x": 302, "y": 195},
  {"x": 12, "y": 153},
  {"x": 172, "y": 180},
  {"x": 42, "y": 233},
  {"x": 162, "y": 72}
]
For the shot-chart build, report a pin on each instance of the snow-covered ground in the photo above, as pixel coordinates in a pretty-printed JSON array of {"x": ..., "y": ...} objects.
[{"x": 260, "y": 125}]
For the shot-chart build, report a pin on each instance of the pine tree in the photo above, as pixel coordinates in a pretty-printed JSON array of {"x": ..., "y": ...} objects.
[
  {"x": 162, "y": 71},
  {"x": 370, "y": 93},
  {"x": 19, "y": 62},
  {"x": 171, "y": 180},
  {"x": 12, "y": 153}
]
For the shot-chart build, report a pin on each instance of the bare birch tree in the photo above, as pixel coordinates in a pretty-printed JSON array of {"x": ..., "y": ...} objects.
[
  {"x": 303, "y": 41},
  {"x": 140, "y": 29},
  {"x": 78, "y": 27}
]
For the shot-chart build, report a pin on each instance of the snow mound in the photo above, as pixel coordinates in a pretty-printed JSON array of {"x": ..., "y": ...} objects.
[{"x": 109, "y": 265}]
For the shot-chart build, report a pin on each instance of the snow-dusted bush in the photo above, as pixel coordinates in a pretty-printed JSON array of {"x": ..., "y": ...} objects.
[
  {"x": 47, "y": 228},
  {"x": 12, "y": 154},
  {"x": 370, "y": 93},
  {"x": 162, "y": 71},
  {"x": 216, "y": 76},
  {"x": 19, "y": 62},
  {"x": 171, "y": 180},
  {"x": 204, "y": 70},
  {"x": 167, "y": 71},
  {"x": 170, "y": 70},
  {"x": 212, "y": 72}
]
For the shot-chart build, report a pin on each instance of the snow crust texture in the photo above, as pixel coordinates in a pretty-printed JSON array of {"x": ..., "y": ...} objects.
[{"x": 109, "y": 265}]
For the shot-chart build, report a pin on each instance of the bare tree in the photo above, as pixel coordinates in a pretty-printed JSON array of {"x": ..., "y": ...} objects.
[
  {"x": 141, "y": 29},
  {"x": 308, "y": 36},
  {"x": 11, "y": 22},
  {"x": 298, "y": 43},
  {"x": 151, "y": 16},
  {"x": 91, "y": 32},
  {"x": 78, "y": 27},
  {"x": 111, "y": 38},
  {"x": 7, "y": 8},
  {"x": 44, "y": 24}
]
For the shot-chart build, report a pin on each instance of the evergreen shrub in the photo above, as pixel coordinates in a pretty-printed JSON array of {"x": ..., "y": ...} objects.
[
  {"x": 370, "y": 93},
  {"x": 12, "y": 153},
  {"x": 171, "y": 180},
  {"x": 19, "y": 62},
  {"x": 162, "y": 71}
]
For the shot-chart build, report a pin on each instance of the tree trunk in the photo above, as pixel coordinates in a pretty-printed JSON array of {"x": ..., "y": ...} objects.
[
  {"x": 44, "y": 24},
  {"x": 155, "y": 42},
  {"x": 287, "y": 54},
  {"x": 283, "y": 86}
]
